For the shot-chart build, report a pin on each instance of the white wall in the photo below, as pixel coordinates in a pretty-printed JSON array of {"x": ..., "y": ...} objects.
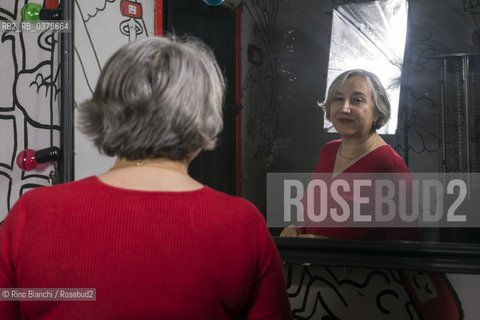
[
  {"x": 29, "y": 104},
  {"x": 97, "y": 37}
]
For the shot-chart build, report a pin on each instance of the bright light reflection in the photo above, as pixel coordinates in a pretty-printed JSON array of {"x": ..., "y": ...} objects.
[{"x": 370, "y": 36}]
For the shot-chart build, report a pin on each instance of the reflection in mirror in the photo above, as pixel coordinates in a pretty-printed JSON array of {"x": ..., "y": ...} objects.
[
  {"x": 370, "y": 36},
  {"x": 282, "y": 125},
  {"x": 283, "y": 132}
]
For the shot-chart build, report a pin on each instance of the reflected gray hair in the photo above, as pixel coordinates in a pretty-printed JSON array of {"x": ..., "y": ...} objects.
[
  {"x": 156, "y": 97},
  {"x": 381, "y": 102}
]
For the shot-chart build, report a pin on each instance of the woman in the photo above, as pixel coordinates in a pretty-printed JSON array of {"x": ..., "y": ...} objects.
[
  {"x": 152, "y": 241},
  {"x": 357, "y": 105}
]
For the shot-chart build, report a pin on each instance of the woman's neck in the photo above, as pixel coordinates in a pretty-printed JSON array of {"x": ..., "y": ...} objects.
[
  {"x": 355, "y": 148},
  {"x": 160, "y": 163},
  {"x": 151, "y": 175}
]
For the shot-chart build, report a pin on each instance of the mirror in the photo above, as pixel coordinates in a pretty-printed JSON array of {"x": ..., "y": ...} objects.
[{"x": 293, "y": 50}]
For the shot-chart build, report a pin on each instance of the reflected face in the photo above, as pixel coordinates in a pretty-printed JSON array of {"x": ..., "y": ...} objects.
[{"x": 352, "y": 109}]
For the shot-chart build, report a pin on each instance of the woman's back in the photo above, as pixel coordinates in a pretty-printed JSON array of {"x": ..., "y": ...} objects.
[{"x": 162, "y": 255}]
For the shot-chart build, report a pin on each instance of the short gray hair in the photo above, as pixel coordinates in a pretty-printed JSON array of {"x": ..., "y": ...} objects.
[
  {"x": 156, "y": 97},
  {"x": 381, "y": 105}
]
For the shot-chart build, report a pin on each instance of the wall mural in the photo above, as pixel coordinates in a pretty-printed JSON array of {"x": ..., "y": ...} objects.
[
  {"x": 119, "y": 21},
  {"x": 29, "y": 103},
  {"x": 358, "y": 293},
  {"x": 29, "y": 91},
  {"x": 260, "y": 82},
  {"x": 122, "y": 21}
]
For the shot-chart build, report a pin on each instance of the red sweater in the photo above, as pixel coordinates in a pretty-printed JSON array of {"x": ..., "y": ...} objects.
[
  {"x": 150, "y": 255},
  {"x": 381, "y": 160}
]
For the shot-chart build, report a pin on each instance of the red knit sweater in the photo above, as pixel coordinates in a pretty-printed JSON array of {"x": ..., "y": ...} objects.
[
  {"x": 149, "y": 255},
  {"x": 381, "y": 160}
]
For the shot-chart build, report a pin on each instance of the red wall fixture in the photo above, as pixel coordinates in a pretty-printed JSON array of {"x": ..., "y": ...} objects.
[
  {"x": 131, "y": 9},
  {"x": 29, "y": 159},
  {"x": 158, "y": 17}
]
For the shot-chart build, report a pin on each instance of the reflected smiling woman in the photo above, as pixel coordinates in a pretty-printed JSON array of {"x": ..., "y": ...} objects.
[{"x": 357, "y": 105}]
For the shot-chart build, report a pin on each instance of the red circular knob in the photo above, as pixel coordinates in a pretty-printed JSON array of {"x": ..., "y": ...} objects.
[{"x": 26, "y": 160}]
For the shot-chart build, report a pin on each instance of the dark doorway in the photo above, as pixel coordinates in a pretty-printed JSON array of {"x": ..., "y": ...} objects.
[{"x": 215, "y": 26}]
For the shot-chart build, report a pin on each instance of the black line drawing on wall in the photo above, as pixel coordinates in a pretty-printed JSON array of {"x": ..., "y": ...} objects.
[
  {"x": 97, "y": 20},
  {"x": 317, "y": 292},
  {"x": 121, "y": 22},
  {"x": 29, "y": 98},
  {"x": 29, "y": 92}
]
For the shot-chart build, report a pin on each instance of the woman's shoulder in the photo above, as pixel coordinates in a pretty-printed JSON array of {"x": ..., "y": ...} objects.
[
  {"x": 330, "y": 148},
  {"x": 223, "y": 199},
  {"x": 57, "y": 189},
  {"x": 334, "y": 144},
  {"x": 44, "y": 200},
  {"x": 390, "y": 160},
  {"x": 326, "y": 159},
  {"x": 232, "y": 205}
]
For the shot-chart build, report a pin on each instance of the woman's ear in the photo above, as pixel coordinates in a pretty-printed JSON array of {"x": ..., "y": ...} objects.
[{"x": 376, "y": 119}]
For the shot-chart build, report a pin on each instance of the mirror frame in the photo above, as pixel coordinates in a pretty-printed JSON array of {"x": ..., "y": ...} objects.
[
  {"x": 425, "y": 256},
  {"x": 66, "y": 55}
]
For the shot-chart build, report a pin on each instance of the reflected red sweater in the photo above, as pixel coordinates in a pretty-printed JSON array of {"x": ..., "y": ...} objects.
[
  {"x": 149, "y": 255},
  {"x": 381, "y": 160}
]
